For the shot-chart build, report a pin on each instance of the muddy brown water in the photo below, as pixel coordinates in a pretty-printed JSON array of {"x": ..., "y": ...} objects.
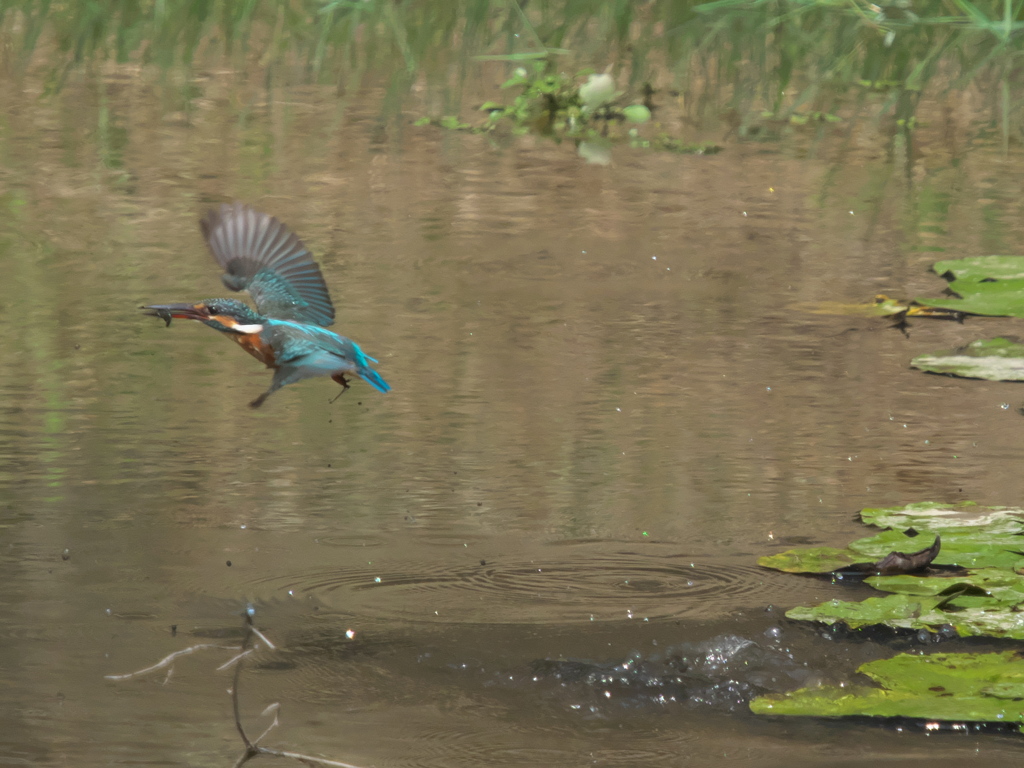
[{"x": 608, "y": 400}]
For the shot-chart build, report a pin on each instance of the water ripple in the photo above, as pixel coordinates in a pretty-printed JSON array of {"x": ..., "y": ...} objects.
[{"x": 575, "y": 588}]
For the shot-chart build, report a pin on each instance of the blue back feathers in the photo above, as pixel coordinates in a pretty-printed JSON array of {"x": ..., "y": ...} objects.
[{"x": 302, "y": 344}]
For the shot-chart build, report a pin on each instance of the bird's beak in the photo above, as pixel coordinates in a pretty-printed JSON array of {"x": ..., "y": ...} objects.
[{"x": 167, "y": 312}]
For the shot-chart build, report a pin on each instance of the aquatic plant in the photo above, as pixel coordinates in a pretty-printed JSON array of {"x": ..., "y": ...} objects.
[
  {"x": 979, "y": 597},
  {"x": 564, "y": 107},
  {"x": 789, "y": 60},
  {"x": 947, "y": 689},
  {"x": 978, "y": 594}
]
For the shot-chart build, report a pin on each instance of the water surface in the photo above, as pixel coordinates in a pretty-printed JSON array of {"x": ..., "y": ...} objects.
[{"x": 608, "y": 400}]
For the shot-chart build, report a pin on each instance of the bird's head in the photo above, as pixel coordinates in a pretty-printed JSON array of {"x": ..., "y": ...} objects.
[{"x": 226, "y": 315}]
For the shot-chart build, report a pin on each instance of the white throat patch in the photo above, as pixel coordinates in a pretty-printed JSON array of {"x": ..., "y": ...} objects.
[{"x": 247, "y": 328}]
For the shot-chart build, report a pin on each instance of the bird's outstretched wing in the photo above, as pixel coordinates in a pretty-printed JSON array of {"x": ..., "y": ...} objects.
[{"x": 261, "y": 255}]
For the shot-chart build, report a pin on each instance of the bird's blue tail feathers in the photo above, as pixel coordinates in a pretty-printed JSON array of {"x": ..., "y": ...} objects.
[
  {"x": 374, "y": 379},
  {"x": 367, "y": 374}
]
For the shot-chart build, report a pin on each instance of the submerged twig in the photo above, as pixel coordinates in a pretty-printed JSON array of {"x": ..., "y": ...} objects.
[
  {"x": 235, "y": 659},
  {"x": 262, "y": 637},
  {"x": 169, "y": 659},
  {"x": 308, "y": 759},
  {"x": 246, "y": 649}
]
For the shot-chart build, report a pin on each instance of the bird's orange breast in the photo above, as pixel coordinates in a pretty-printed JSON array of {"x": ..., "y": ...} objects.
[{"x": 255, "y": 346}]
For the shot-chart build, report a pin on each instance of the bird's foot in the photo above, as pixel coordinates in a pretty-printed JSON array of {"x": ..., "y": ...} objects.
[{"x": 340, "y": 378}]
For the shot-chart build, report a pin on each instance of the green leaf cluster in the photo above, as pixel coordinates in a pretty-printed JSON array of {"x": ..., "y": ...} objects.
[
  {"x": 951, "y": 687},
  {"x": 985, "y": 285},
  {"x": 986, "y": 598},
  {"x": 555, "y": 104},
  {"x": 983, "y": 597}
]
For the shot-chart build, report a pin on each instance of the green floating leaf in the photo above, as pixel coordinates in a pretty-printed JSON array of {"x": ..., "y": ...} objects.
[
  {"x": 929, "y": 515},
  {"x": 810, "y": 560},
  {"x": 900, "y": 611},
  {"x": 972, "y": 611},
  {"x": 986, "y": 285},
  {"x": 988, "y": 599},
  {"x": 943, "y": 686},
  {"x": 966, "y": 548},
  {"x": 982, "y": 267},
  {"x": 996, "y": 359},
  {"x": 973, "y": 536},
  {"x": 637, "y": 113},
  {"x": 996, "y": 584}
]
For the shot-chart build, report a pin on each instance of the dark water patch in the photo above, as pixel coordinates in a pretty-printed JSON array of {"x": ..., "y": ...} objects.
[{"x": 722, "y": 673}]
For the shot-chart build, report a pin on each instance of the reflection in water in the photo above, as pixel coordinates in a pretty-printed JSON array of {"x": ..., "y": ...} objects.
[{"x": 597, "y": 380}]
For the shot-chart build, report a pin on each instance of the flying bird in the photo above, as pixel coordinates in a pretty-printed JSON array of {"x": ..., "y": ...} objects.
[{"x": 288, "y": 329}]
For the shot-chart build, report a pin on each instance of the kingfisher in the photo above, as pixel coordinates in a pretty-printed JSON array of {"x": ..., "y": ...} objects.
[{"x": 288, "y": 329}]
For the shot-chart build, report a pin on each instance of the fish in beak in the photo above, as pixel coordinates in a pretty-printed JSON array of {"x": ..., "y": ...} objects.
[{"x": 168, "y": 312}]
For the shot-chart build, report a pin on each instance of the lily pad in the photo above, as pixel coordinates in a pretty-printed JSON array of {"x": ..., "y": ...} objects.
[
  {"x": 845, "y": 563},
  {"x": 986, "y": 285},
  {"x": 900, "y": 611},
  {"x": 970, "y": 548},
  {"x": 984, "y": 597},
  {"x": 981, "y": 267},
  {"x": 983, "y": 603},
  {"x": 931, "y": 516},
  {"x": 810, "y": 560},
  {"x": 943, "y": 686},
  {"x": 1002, "y": 584},
  {"x": 995, "y": 359},
  {"x": 973, "y": 536}
]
